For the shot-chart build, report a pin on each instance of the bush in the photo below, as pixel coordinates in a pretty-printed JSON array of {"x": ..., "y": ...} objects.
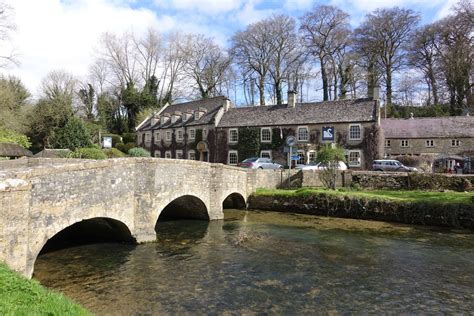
[
  {"x": 73, "y": 135},
  {"x": 114, "y": 153},
  {"x": 88, "y": 153},
  {"x": 125, "y": 147},
  {"x": 138, "y": 152},
  {"x": 9, "y": 136},
  {"x": 128, "y": 137},
  {"x": 116, "y": 139}
]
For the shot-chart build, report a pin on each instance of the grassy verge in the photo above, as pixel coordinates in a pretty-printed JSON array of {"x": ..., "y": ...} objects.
[
  {"x": 403, "y": 196},
  {"x": 20, "y": 296}
]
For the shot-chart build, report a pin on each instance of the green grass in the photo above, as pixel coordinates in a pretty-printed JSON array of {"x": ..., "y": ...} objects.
[
  {"x": 20, "y": 296},
  {"x": 401, "y": 195}
]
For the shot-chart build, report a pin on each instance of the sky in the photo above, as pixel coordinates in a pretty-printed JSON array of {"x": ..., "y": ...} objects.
[{"x": 64, "y": 35}]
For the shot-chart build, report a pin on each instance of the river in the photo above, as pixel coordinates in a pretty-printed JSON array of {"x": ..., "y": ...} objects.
[{"x": 254, "y": 262}]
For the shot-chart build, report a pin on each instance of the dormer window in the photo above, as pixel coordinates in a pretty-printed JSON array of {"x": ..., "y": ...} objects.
[
  {"x": 197, "y": 115},
  {"x": 164, "y": 119}
]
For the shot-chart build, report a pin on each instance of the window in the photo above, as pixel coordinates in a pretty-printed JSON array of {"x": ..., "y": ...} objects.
[
  {"x": 192, "y": 133},
  {"x": 174, "y": 118},
  {"x": 157, "y": 154},
  {"x": 168, "y": 136},
  {"x": 455, "y": 142},
  {"x": 354, "y": 132},
  {"x": 179, "y": 136},
  {"x": 233, "y": 136},
  {"x": 404, "y": 143},
  {"x": 204, "y": 133},
  {"x": 168, "y": 154},
  {"x": 266, "y": 154},
  {"x": 191, "y": 155},
  {"x": 387, "y": 143},
  {"x": 354, "y": 158},
  {"x": 197, "y": 115},
  {"x": 164, "y": 119},
  {"x": 303, "y": 134},
  {"x": 266, "y": 135},
  {"x": 157, "y": 137},
  {"x": 147, "y": 137},
  {"x": 233, "y": 157},
  {"x": 311, "y": 156},
  {"x": 429, "y": 143},
  {"x": 179, "y": 154},
  {"x": 301, "y": 155}
]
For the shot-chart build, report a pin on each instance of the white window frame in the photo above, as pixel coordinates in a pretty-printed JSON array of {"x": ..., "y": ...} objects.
[
  {"x": 232, "y": 152},
  {"x": 429, "y": 143},
  {"x": 455, "y": 143},
  {"x": 360, "y": 131},
  {"x": 268, "y": 152},
  {"x": 404, "y": 143},
  {"x": 204, "y": 133},
  {"x": 157, "y": 137},
  {"x": 298, "y": 133},
  {"x": 157, "y": 154},
  {"x": 231, "y": 130},
  {"x": 179, "y": 152},
  {"x": 169, "y": 136},
  {"x": 179, "y": 135},
  {"x": 168, "y": 154},
  {"x": 314, "y": 156},
  {"x": 359, "y": 161},
  {"x": 387, "y": 143},
  {"x": 193, "y": 152},
  {"x": 192, "y": 133},
  {"x": 148, "y": 137},
  {"x": 261, "y": 135},
  {"x": 197, "y": 116}
]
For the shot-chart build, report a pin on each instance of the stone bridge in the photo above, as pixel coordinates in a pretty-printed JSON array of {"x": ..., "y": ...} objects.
[{"x": 42, "y": 198}]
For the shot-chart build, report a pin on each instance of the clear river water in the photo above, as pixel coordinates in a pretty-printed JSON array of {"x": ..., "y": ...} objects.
[{"x": 265, "y": 262}]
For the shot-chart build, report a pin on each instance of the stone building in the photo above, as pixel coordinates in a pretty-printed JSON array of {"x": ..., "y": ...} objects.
[
  {"x": 261, "y": 130},
  {"x": 185, "y": 130},
  {"x": 447, "y": 138}
]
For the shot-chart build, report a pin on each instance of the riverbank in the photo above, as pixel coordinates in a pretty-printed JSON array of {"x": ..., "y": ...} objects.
[
  {"x": 449, "y": 209},
  {"x": 20, "y": 296}
]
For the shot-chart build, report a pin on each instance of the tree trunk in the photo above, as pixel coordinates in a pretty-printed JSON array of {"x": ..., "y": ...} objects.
[
  {"x": 324, "y": 77},
  {"x": 388, "y": 74},
  {"x": 261, "y": 89},
  {"x": 434, "y": 86},
  {"x": 370, "y": 79},
  {"x": 279, "y": 98}
]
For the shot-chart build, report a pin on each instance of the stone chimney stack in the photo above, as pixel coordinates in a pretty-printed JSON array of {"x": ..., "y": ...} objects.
[{"x": 291, "y": 98}]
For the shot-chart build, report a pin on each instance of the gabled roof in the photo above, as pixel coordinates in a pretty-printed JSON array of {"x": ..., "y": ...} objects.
[
  {"x": 361, "y": 110},
  {"x": 211, "y": 105},
  {"x": 52, "y": 153},
  {"x": 13, "y": 150},
  {"x": 429, "y": 127}
]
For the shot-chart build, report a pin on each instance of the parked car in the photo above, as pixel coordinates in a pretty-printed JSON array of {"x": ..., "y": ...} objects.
[
  {"x": 259, "y": 163},
  {"x": 319, "y": 166},
  {"x": 391, "y": 165}
]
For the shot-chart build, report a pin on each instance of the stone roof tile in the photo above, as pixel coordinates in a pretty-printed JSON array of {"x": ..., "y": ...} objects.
[{"x": 429, "y": 127}]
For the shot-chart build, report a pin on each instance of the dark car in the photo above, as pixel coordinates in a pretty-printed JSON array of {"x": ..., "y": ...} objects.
[
  {"x": 391, "y": 165},
  {"x": 259, "y": 163}
]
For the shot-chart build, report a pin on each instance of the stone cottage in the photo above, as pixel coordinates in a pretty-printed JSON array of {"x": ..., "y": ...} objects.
[{"x": 185, "y": 130}]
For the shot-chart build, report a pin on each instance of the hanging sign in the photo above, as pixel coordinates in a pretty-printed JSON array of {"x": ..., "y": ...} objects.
[{"x": 328, "y": 133}]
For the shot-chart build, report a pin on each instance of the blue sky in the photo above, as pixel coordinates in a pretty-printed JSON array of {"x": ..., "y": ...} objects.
[{"x": 55, "y": 34}]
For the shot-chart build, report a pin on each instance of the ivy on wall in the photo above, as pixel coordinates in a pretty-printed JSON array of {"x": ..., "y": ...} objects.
[{"x": 249, "y": 142}]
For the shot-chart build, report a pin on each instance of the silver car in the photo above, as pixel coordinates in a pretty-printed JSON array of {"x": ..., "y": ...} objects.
[
  {"x": 259, "y": 163},
  {"x": 391, "y": 165}
]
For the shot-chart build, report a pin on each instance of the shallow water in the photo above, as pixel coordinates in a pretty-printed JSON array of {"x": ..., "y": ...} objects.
[{"x": 254, "y": 262}]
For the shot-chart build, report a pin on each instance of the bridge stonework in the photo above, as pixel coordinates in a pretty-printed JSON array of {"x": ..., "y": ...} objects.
[{"x": 38, "y": 202}]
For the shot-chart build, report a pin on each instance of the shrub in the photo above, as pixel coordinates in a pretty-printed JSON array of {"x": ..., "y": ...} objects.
[
  {"x": 128, "y": 137},
  {"x": 73, "y": 135},
  {"x": 125, "y": 147},
  {"x": 138, "y": 152},
  {"x": 331, "y": 157},
  {"x": 88, "y": 153},
  {"x": 9, "y": 136},
  {"x": 114, "y": 153}
]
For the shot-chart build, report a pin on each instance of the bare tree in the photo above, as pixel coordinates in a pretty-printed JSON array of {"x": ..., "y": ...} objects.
[
  {"x": 7, "y": 26},
  {"x": 59, "y": 84},
  {"x": 206, "y": 63},
  {"x": 384, "y": 35},
  {"x": 252, "y": 50},
  {"x": 325, "y": 29}
]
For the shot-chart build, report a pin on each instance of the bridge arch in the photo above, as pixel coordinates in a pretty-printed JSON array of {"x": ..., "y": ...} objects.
[
  {"x": 185, "y": 207},
  {"x": 234, "y": 200}
]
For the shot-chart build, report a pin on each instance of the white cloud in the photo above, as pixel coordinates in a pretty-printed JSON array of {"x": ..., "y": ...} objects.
[
  {"x": 55, "y": 35},
  {"x": 370, "y": 5},
  {"x": 207, "y": 7}
]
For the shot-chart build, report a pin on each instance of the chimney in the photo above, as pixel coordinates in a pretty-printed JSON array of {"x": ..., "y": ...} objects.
[{"x": 291, "y": 98}]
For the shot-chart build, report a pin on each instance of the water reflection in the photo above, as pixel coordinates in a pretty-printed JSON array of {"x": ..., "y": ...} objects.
[{"x": 273, "y": 263}]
